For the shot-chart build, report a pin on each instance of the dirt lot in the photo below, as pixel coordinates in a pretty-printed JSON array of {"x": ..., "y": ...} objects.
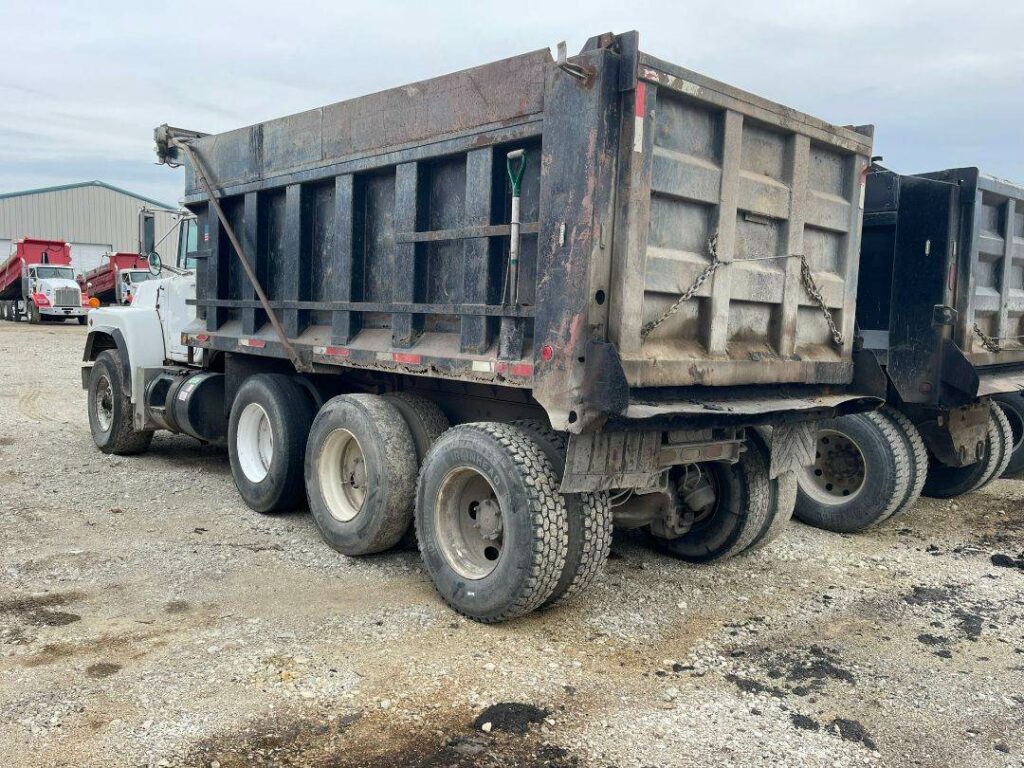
[{"x": 148, "y": 618}]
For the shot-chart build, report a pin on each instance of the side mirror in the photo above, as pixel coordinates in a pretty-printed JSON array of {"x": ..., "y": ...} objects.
[
  {"x": 89, "y": 285},
  {"x": 155, "y": 263}
]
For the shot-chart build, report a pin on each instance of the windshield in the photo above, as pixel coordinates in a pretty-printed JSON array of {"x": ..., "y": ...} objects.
[
  {"x": 188, "y": 243},
  {"x": 138, "y": 276},
  {"x": 45, "y": 273}
]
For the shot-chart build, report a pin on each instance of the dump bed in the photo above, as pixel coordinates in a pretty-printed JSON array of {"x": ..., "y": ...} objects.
[
  {"x": 30, "y": 250},
  {"x": 941, "y": 299},
  {"x": 990, "y": 266},
  {"x": 379, "y": 228},
  {"x": 101, "y": 282}
]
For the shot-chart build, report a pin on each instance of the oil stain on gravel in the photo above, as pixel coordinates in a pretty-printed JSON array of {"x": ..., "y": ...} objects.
[
  {"x": 36, "y": 610},
  {"x": 354, "y": 741}
]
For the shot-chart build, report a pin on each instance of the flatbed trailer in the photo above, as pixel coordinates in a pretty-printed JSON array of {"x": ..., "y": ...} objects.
[
  {"x": 940, "y": 311},
  {"x": 630, "y": 287}
]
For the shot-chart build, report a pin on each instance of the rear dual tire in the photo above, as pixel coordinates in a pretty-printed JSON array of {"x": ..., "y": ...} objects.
[
  {"x": 270, "y": 421},
  {"x": 1012, "y": 406},
  {"x": 945, "y": 482},
  {"x": 492, "y": 527},
  {"x": 750, "y": 508},
  {"x": 868, "y": 467}
]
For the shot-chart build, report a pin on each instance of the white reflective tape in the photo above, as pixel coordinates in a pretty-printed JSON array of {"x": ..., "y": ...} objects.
[
  {"x": 483, "y": 366},
  {"x": 638, "y": 133}
]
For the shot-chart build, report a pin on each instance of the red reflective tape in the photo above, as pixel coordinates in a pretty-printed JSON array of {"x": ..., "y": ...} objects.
[
  {"x": 641, "y": 99},
  {"x": 202, "y": 337},
  {"x": 337, "y": 351},
  {"x": 521, "y": 369},
  {"x": 254, "y": 343},
  {"x": 405, "y": 357}
]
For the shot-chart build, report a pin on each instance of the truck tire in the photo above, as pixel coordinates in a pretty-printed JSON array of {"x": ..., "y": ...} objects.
[
  {"x": 426, "y": 422},
  {"x": 918, "y": 459},
  {"x": 784, "y": 488},
  {"x": 746, "y": 504},
  {"x": 110, "y": 409},
  {"x": 83, "y": 319},
  {"x": 1005, "y": 445},
  {"x": 361, "y": 474},
  {"x": 1013, "y": 408},
  {"x": 491, "y": 524},
  {"x": 33, "y": 314},
  {"x": 589, "y": 520},
  {"x": 861, "y": 475},
  {"x": 945, "y": 482},
  {"x": 267, "y": 430}
]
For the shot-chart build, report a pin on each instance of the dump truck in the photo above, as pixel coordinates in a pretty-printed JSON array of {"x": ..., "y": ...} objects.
[
  {"x": 37, "y": 282},
  {"x": 115, "y": 280},
  {"x": 940, "y": 314},
  {"x": 503, "y": 310}
]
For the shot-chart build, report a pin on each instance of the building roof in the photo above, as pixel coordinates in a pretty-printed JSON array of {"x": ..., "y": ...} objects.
[{"x": 96, "y": 183}]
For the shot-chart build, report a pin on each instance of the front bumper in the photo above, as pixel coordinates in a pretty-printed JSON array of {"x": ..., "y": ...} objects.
[{"x": 63, "y": 311}]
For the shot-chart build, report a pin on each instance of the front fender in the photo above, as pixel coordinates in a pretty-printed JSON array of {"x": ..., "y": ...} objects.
[{"x": 135, "y": 334}]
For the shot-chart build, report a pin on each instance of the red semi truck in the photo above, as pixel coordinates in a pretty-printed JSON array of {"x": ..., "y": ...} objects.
[
  {"x": 38, "y": 282},
  {"x": 114, "y": 281}
]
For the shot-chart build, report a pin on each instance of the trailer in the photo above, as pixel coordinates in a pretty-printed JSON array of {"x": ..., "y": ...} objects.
[
  {"x": 506, "y": 309},
  {"x": 115, "y": 280},
  {"x": 940, "y": 310},
  {"x": 37, "y": 282}
]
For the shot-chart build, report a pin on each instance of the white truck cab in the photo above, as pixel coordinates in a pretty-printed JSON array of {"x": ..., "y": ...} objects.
[{"x": 53, "y": 292}]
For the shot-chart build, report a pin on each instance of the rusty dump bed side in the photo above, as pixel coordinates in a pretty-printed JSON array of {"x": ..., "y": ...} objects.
[{"x": 379, "y": 229}]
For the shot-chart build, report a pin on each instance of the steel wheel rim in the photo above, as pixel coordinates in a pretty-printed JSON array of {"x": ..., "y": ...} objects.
[
  {"x": 254, "y": 442},
  {"x": 103, "y": 403},
  {"x": 839, "y": 472},
  {"x": 341, "y": 473},
  {"x": 469, "y": 522}
]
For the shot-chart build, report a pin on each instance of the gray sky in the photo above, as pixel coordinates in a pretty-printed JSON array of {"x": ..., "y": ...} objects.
[{"x": 83, "y": 84}]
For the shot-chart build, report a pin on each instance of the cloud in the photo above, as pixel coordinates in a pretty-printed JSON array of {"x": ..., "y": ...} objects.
[{"x": 944, "y": 87}]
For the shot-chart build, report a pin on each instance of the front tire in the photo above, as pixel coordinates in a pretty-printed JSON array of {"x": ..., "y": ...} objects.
[
  {"x": 861, "y": 476},
  {"x": 361, "y": 474},
  {"x": 270, "y": 421},
  {"x": 491, "y": 524},
  {"x": 83, "y": 319},
  {"x": 110, "y": 409},
  {"x": 33, "y": 314}
]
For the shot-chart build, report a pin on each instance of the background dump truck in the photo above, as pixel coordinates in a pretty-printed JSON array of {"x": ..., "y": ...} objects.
[
  {"x": 38, "y": 282},
  {"x": 115, "y": 281},
  {"x": 557, "y": 292},
  {"x": 940, "y": 308}
]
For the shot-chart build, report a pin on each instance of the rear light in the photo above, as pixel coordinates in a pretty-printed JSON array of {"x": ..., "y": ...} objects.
[
  {"x": 40, "y": 300},
  {"x": 546, "y": 352}
]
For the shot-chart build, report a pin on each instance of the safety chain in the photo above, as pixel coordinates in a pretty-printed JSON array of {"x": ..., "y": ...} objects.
[
  {"x": 989, "y": 343},
  {"x": 707, "y": 272},
  {"x": 812, "y": 288},
  {"x": 806, "y": 277}
]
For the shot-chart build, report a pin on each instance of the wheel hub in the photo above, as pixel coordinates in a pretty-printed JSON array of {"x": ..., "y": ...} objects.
[
  {"x": 341, "y": 468},
  {"x": 469, "y": 523},
  {"x": 839, "y": 470},
  {"x": 104, "y": 404}
]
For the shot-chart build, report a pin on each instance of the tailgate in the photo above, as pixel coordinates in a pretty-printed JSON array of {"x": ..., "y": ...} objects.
[{"x": 701, "y": 158}]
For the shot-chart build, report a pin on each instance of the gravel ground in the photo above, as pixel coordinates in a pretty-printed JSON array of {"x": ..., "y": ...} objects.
[{"x": 147, "y": 617}]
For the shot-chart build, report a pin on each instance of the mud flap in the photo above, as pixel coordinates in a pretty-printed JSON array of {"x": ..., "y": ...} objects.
[{"x": 793, "y": 446}]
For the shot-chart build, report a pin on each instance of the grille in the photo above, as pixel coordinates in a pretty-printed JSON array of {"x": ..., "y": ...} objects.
[{"x": 66, "y": 297}]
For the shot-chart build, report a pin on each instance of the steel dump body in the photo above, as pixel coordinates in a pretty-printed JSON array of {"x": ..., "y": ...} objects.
[
  {"x": 942, "y": 268},
  {"x": 379, "y": 229},
  {"x": 30, "y": 251},
  {"x": 102, "y": 281}
]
